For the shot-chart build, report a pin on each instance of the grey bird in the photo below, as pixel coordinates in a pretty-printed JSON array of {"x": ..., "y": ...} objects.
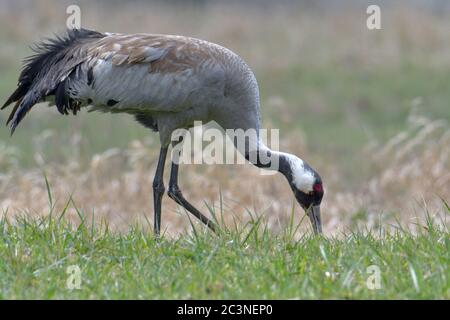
[{"x": 166, "y": 82}]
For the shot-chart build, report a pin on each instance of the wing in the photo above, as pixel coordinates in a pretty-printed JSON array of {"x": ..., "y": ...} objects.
[
  {"x": 119, "y": 73},
  {"x": 142, "y": 72}
]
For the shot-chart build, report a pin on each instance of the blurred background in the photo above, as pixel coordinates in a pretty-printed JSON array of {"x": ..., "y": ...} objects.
[{"x": 369, "y": 109}]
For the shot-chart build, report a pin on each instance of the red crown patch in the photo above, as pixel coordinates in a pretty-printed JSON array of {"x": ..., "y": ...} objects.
[{"x": 317, "y": 187}]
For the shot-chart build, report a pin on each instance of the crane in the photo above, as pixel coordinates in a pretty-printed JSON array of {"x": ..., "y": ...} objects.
[{"x": 166, "y": 82}]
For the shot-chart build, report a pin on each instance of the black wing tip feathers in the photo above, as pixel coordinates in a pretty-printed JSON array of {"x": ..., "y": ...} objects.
[
  {"x": 35, "y": 68},
  {"x": 12, "y": 128}
]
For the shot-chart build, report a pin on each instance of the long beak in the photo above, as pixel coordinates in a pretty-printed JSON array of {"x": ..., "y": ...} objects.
[{"x": 314, "y": 216}]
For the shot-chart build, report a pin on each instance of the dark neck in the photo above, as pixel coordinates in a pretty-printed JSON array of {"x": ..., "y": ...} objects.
[{"x": 271, "y": 160}]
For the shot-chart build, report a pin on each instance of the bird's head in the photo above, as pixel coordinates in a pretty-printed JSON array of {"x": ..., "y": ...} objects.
[{"x": 308, "y": 190}]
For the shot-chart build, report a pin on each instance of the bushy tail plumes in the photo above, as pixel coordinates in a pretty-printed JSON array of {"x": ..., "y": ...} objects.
[{"x": 44, "y": 73}]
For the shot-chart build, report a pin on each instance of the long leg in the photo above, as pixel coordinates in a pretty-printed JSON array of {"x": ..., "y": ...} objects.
[
  {"x": 158, "y": 190},
  {"x": 175, "y": 194}
]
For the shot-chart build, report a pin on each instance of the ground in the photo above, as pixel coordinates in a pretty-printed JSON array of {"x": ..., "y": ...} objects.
[{"x": 48, "y": 259}]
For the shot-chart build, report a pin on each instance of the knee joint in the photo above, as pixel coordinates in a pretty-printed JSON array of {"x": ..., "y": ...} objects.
[
  {"x": 173, "y": 191},
  {"x": 158, "y": 187}
]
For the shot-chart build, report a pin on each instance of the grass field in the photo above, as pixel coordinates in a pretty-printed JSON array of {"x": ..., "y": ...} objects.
[
  {"x": 243, "y": 262},
  {"x": 368, "y": 109}
]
